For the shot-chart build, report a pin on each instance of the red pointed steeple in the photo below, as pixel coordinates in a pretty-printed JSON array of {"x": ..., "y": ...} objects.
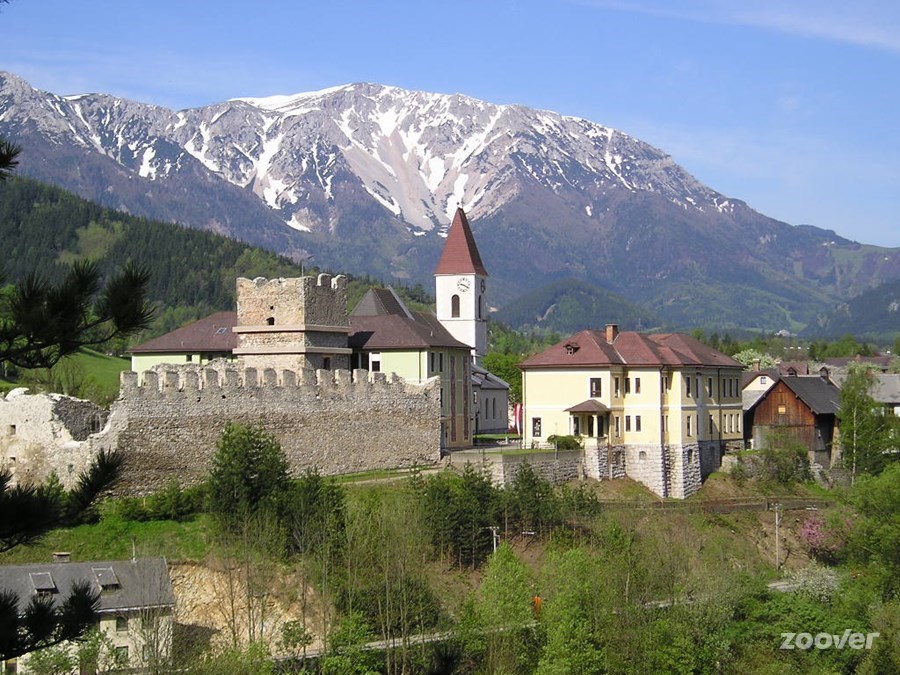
[{"x": 460, "y": 255}]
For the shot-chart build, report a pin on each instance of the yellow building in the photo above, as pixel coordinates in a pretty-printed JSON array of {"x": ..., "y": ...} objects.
[{"x": 661, "y": 409}]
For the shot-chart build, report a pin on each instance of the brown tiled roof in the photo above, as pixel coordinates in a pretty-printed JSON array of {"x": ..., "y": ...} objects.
[
  {"x": 589, "y": 406},
  {"x": 882, "y": 362},
  {"x": 587, "y": 348},
  {"x": 590, "y": 348},
  {"x": 392, "y": 331},
  {"x": 381, "y": 321},
  {"x": 212, "y": 334},
  {"x": 460, "y": 254},
  {"x": 380, "y": 301},
  {"x": 749, "y": 375}
]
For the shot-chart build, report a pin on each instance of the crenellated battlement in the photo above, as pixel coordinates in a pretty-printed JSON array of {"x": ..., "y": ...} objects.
[
  {"x": 190, "y": 380},
  {"x": 293, "y": 324},
  {"x": 294, "y": 301}
]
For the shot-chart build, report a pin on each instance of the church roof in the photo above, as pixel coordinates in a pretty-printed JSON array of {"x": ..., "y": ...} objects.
[
  {"x": 381, "y": 321},
  {"x": 460, "y": 254},
  {"x": 380, "y": 302}
]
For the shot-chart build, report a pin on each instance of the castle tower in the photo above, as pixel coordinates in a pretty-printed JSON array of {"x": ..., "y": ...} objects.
[
  {"x": 460, "y": 285},
  {"x": 292, "y": 324}
]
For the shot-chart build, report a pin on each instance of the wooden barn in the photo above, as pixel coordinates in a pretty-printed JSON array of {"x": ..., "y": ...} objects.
[{"x": 805, "y": 408}]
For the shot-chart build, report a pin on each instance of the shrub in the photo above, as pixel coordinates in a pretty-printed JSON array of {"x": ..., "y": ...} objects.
[
  {"x": 175, "y": 503},
  {"x": 565, "y": 442},
  {"x": 784, "y": 459},
  {"x": 826, "y": 540},
  {"x": 249, "y": 473}
]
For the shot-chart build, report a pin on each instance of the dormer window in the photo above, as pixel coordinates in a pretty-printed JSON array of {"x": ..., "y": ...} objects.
[
  {"x": 106, "y": 577},
  {"x": 571, "y": 348},
  {"x": 43, "y": 584}
]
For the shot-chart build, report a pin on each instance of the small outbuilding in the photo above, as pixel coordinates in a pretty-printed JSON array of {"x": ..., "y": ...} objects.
[{"x": 805, "y": 408}]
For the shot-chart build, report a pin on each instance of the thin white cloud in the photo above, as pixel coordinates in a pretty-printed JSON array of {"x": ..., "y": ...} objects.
[{"x": 870, "y": 23}]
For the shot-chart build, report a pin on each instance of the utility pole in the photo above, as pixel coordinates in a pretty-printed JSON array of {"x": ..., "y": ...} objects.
[
  {"x": 777, "y": 537},
  {"x": 495, "y": 535}
]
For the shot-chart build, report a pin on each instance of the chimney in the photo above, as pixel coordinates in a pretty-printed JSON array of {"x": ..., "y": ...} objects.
[
  {"x": 612, "y": 331},
  {"x": 756, "y": 365},
  {"x": 61, "y": 556}
]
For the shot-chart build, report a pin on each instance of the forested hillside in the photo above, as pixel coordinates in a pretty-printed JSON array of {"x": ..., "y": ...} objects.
[
  {"x": 565, "y": 306},
  {"x": 874, "y": 314},
  {"x": 192, "y": 272}
]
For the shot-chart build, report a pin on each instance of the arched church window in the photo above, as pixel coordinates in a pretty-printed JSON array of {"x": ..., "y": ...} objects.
[{"x": 454, "y": 307}]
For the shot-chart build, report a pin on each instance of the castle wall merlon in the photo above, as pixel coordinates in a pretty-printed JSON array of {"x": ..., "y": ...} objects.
[{"x": 154, "y": 384}]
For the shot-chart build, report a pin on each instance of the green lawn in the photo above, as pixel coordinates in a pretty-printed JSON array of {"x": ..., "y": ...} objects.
[
  {"x": 112, "y": 537},
  {"x": 87, "y": 374}
]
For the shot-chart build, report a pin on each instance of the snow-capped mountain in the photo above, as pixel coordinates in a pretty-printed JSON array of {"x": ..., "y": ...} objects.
[{"x": 366, "y": 177}]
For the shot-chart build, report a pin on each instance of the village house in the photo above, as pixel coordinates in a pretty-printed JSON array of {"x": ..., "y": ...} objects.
[
  {"x": 662, "y": 408},
  {"x": 200, "y": 342},
  {"x": 136, "y": 606},
  {"x": 804, "y": 409}
]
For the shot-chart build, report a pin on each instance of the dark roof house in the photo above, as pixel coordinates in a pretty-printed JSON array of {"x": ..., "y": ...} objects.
[{"x": 124, "y": 585}]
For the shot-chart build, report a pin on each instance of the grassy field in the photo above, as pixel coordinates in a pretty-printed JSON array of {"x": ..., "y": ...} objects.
[
  {"x": 112, "y": 539},
  {"x": 87, "y": 374}
]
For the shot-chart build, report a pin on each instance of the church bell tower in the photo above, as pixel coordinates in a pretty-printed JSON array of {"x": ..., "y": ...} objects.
[{"x": 460, "y": 284}]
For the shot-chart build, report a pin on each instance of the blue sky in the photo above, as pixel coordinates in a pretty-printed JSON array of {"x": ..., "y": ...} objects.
[{"x": 790, "y": 105}]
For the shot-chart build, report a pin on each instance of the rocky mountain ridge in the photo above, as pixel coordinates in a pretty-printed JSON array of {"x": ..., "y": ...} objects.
[{"x": 364, "y": 178}]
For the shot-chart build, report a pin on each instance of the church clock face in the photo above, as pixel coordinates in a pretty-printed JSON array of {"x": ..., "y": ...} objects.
[{"x": 463, "y": 285}]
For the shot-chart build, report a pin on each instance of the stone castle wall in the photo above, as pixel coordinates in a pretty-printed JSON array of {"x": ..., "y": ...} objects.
[{"x": 167, "y": 427}]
